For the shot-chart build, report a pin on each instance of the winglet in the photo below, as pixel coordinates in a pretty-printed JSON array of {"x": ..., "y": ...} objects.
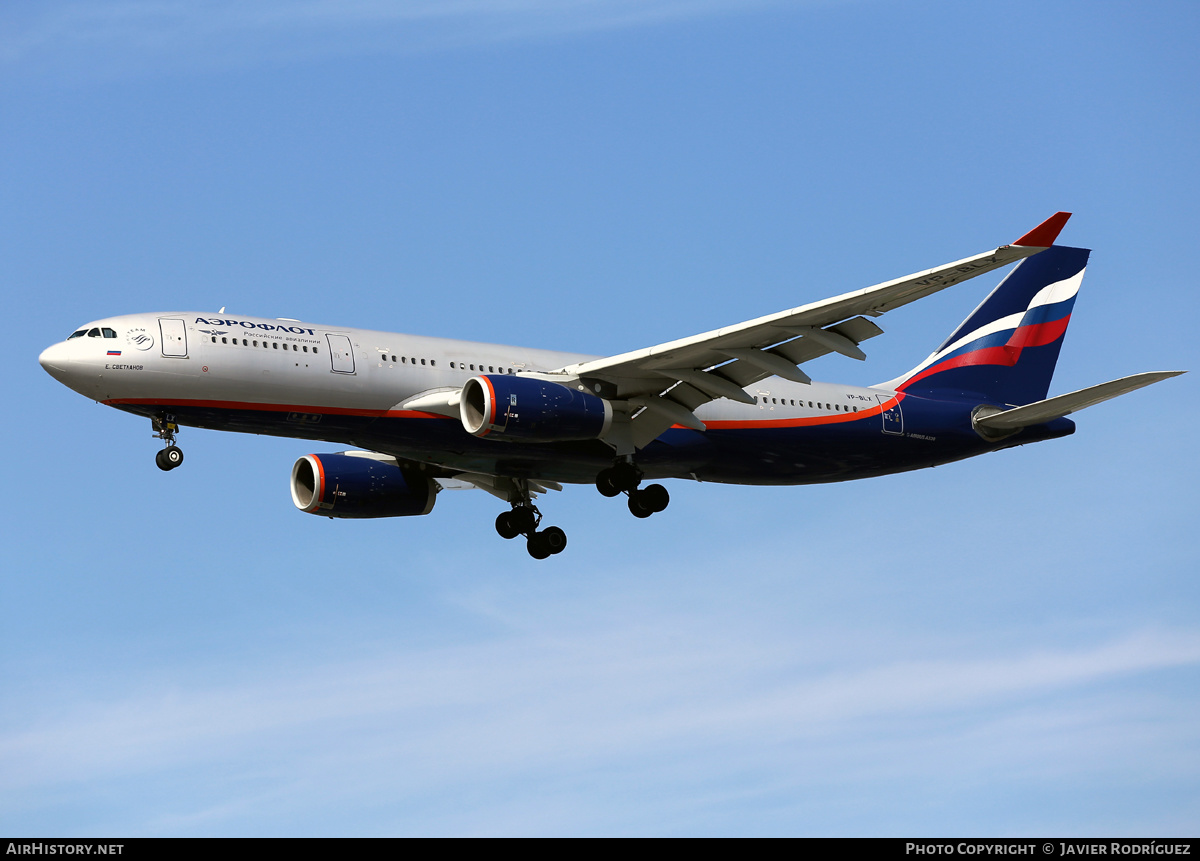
[{"x": 1044, "y": 234}]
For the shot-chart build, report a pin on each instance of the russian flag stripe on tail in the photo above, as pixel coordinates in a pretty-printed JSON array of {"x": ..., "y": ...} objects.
[{"x": 1005, "y": 352}]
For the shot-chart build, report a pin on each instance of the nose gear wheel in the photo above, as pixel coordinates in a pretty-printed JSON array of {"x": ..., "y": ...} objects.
[{"x": 169, "y": 458}]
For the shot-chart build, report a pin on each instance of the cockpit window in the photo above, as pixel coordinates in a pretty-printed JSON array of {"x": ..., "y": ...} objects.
[
  {"x": 93, "y": 333},
  {"x": 78, "y": 334},
  {"x": 109, "y": 333}
]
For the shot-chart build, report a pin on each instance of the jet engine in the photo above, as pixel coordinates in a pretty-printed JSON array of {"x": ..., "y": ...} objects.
[
  {"x": 358, "y": 486},
  {"x": 527, "y": 409}
]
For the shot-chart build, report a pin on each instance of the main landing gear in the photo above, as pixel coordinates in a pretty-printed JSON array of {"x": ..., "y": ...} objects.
[
  {"x": 524, "y": 519},
  {"x": 165, "y": 429},
  {"x": 624, "y": 477}
]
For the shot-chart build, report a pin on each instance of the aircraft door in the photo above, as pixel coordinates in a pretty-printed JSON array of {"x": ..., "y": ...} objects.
[
  {"x": 174, "y": 338},
  {"x": 893, "y": 418},
  {"x": 341, "y": 353}
]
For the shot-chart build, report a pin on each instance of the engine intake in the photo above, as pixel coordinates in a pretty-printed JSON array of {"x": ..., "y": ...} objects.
[
  {"x": 526, "y": 409},
  {"x": 357, "y": 486}
]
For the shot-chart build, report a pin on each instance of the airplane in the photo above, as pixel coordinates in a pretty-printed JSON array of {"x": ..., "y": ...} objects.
[{"x": 727, "y": 406}]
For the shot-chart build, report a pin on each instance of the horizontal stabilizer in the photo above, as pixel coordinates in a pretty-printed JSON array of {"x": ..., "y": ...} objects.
[{"x": 1057, "y": 407}]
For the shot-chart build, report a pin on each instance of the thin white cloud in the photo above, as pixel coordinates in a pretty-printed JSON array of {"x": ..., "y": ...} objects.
[
  {"x": 221, "y": 30},
  {"x": 531, "y": 703}
]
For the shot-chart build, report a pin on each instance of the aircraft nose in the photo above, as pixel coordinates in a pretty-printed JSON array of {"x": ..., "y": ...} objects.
[{"x": 54, "y": 360}]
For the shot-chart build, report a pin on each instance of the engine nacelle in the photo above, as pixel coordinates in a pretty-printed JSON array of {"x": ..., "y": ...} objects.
[
  {"x": 531, "y": 410},
  {"x": 347, "y": 485}
]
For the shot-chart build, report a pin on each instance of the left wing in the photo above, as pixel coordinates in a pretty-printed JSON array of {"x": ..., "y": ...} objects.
[{"x": 662, "y": 385}]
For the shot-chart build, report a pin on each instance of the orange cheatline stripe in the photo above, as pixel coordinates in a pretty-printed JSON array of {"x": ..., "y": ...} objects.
[{"x": 278, "y": 408}]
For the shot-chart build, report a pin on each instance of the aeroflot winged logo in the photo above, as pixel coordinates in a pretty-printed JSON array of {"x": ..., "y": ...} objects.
[
  {"x": 139, "y": 338},
  {"x": 266, "y": 327}
]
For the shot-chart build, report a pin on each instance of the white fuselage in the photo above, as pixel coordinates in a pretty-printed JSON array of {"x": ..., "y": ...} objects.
[{"x": 333, "y": 383}]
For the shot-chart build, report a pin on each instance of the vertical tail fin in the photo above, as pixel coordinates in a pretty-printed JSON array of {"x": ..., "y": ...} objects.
[{"x": 1005, "y": 352}]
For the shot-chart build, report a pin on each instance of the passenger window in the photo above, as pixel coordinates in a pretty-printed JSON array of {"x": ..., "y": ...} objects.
[
  {"x": 224, "y": 340},
  {"x": 422, "y": 361},
  {"x": 245, "y": 342},
  {"x": 433, "y": 363},
  {"x": 314, "y": 349},
  {"x": 94, "y": 333},
  {"x": 295, "y": 349},
  {"x": 256, "y": 343},
  {"x": 393, "y": 360},
  {"x": 305, "y": 348}
]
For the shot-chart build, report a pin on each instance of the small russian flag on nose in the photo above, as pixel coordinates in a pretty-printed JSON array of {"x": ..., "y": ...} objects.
[{"x": 114, "y": 352}]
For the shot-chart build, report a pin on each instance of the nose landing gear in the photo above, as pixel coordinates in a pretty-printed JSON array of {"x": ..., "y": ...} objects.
[
  {"x": 624, "y": 477},
  {"x": 165, "y": 429}
]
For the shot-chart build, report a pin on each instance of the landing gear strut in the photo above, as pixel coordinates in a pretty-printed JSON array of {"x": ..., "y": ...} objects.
[
  {"x": 524, "y": 519},
  {"x": 624, "y": 477},
  {"x": 165, "y": 429}
]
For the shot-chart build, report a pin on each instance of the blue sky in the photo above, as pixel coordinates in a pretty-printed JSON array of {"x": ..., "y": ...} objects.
[{"x": 1003, "y": 646}]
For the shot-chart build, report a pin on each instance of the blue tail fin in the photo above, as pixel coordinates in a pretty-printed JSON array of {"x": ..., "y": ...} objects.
[{"x": 1006, "y": 350}]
